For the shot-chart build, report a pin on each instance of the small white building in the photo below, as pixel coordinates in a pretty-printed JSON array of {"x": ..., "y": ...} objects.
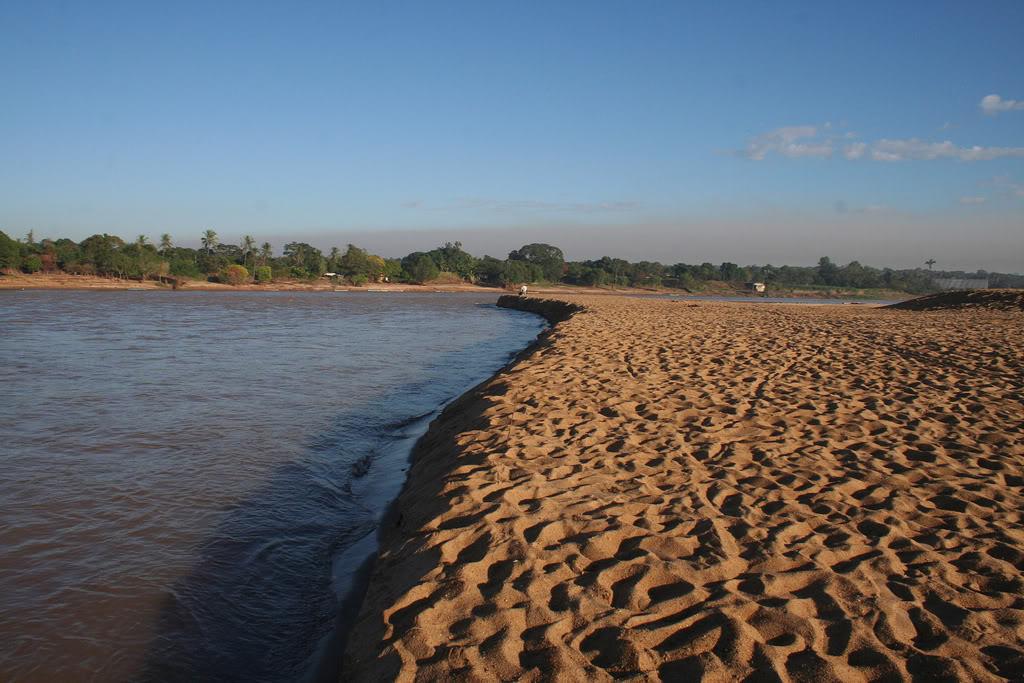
[{"x": 756, "y": 286}]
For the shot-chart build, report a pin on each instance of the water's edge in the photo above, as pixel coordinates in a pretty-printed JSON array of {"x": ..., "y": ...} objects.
[{"x": 332, "y": 665}]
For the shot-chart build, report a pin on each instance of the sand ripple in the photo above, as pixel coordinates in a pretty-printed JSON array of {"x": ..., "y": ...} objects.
[{"x": 668, "y": 491}]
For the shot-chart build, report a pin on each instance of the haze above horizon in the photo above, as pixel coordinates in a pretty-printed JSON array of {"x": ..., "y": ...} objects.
[{"x": 753, "y": 133}]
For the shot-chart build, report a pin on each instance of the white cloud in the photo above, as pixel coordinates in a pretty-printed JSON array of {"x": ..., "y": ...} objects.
[
  {"x": 855, "y": 151},
  {"x": 914, "y": 149},
  {"x": 973, "y": 200},
  {"x": 789, "y": 141},
  {"x": 810, "y": 141},
  {"x": 993, "y": 104}
]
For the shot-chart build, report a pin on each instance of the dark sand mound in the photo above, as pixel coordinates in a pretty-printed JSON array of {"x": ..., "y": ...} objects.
[{"x": 995, "y": 299}]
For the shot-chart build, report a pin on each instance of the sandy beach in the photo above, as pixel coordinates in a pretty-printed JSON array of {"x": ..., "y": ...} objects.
[{"x": 672, "y": 490}]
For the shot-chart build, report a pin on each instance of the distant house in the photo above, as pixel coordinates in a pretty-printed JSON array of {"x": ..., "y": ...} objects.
[
  {"x": 945, "y": 283},
  {"x": 330, "y": 274},
  {"x": 755, "y": 286}
]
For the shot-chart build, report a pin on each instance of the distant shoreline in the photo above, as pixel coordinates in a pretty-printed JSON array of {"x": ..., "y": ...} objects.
[{"x": 63, "y": 281}]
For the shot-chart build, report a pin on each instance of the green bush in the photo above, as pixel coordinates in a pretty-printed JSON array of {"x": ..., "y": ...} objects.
[
  {"x": 10, "y": 252},
  {"x": 359, "y": 280},
  {"x": 32, "y": 263},
  {"x": 264, "y": 274},
  {"x": 420, "y": 267},
  {"x": 235, "y": 275}
]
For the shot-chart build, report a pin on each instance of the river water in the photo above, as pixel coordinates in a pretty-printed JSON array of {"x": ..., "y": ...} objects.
[{"x": 188, "y": 481}]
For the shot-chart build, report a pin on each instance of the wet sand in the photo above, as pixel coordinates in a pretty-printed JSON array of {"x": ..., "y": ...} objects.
[{"x": 672, "y": 490}]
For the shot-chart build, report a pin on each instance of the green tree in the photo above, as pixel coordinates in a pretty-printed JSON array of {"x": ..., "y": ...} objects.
[
  {"x": 729, "y": 272},
  {"x": 103, "y": 253},
  {"x": 68, "y": 253},
  {"x": 420, "y": 267},
  {"x": 451, "y": 258},
  {"x": 392, "y": 269},
  {"x": 166, "y": 244},
  {"x": 356, "y": 262},
  {"x": 489, "y": 270},
  {"x": 707, "y": 271},
  {"x": 212, "y": 261},
  {"x": 333, "y": 259},
  {"x": 304, "y": 260},
  {"x": 517, "y": 272},
  {"x": 549, "y": 259},
  {"x": 32, "y": 263},
  {"x": 209, "y": 240},
  {"x": 264, "y": 274},
  {"x": 827, "y": 271},
  {"x": 646, "y": 274},
  {"x": 10, "y": 253},
  {"x": 266, "y": 253},
  {"x": 185, "y": 262},
  {"x": 247, "y": 247}
]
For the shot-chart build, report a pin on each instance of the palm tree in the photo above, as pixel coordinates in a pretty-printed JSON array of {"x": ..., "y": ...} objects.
[
  {"x": 165, "y": 243},
  {"x": 209, "y": 240},
  {"x": 141, "y": 241},
  {"x": 266, "y": 253},
  {"x": 930, "y": 262},
  {"x": 247, "y": 246}
]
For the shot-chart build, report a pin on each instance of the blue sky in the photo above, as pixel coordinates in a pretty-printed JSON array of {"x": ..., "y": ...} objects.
[{"x": 730, "y": 131}]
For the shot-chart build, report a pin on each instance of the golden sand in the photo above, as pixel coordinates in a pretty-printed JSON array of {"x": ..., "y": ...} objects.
[{"x": 665, "y": 490}]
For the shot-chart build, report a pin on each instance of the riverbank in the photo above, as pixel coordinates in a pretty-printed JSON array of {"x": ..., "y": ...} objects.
[
  {"x": 17, "y": 280},
  {"x": 664, "y": 490},
  {"x": 66, "y": 281}
]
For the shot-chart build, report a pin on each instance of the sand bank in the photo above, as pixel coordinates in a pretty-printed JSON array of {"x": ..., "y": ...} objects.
[
  {"x": 666, "y": 490},
  {"x": 993, "y": 299},
  {"x": 17, "y": 280}
]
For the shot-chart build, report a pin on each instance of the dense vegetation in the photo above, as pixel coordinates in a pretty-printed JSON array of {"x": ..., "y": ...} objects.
[{"x": 247, "y": 262}]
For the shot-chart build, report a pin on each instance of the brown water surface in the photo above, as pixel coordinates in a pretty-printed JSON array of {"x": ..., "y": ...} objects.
[{"x": 183, "y": 476}]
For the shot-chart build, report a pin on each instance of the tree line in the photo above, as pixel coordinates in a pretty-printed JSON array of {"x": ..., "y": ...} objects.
[{"x": 247, "y": 261}]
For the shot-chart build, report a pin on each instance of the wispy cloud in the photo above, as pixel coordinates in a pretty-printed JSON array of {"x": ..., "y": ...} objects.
[
  {"x": 842, "y": 207},
  {"x": 994, "y": 104},
  {"x": 973, "y": 200},
  {"x": 525, "y": 205},
  {"x": 855, "y": 151},
  {"x": 809, "y": 141},
  {"x": 914, "y": 149},
  {"x": 1008, "y": 187},
  {"x": 788, "y": 141}
]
